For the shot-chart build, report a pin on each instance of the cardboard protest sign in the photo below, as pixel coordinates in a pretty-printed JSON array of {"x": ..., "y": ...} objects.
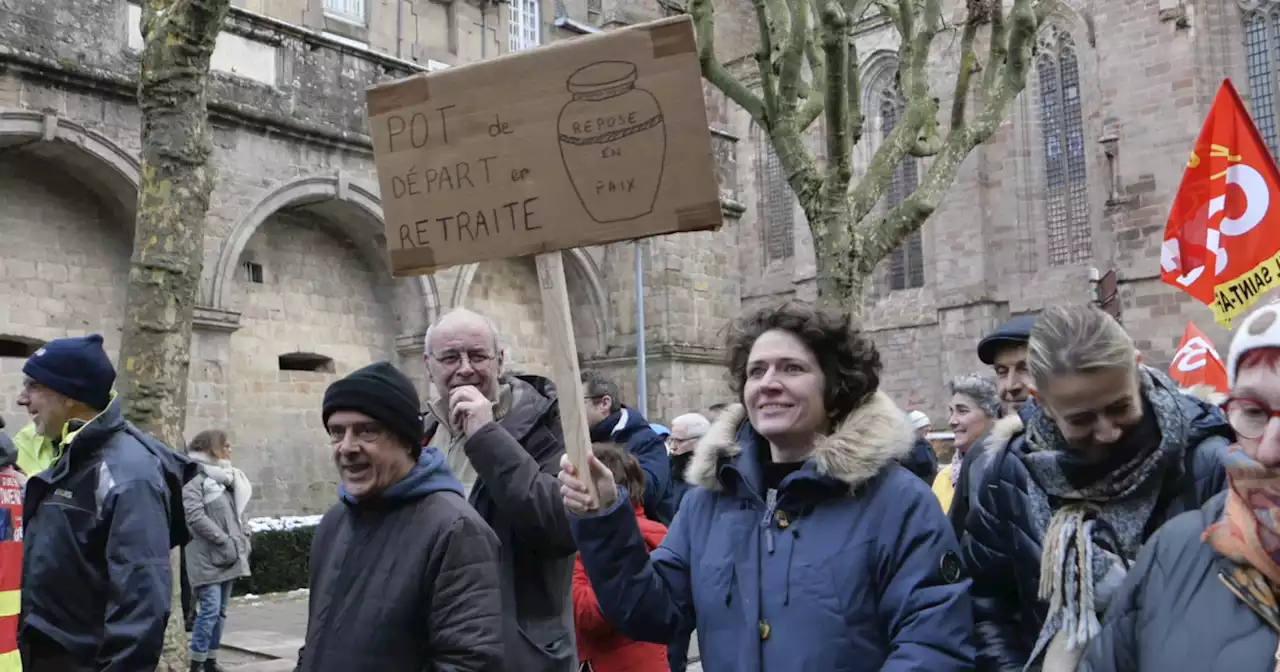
[{"x": 588, "y": 141}]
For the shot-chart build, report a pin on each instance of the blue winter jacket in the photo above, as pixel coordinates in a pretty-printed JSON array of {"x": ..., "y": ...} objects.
[
  {"x": 97, "y": 530},
  {"x": 627, "y": 426},
  {"x": 853, "y": 568}
]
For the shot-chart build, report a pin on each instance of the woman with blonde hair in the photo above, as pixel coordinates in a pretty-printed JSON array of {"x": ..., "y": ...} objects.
[
  {"x": 218, "y": 553},
  {"x": 1202, "y": 594},
  {"x": 1106, "y": 452}
]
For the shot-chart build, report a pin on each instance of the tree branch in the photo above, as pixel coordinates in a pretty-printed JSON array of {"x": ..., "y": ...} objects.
[
  {"x": 764, "y": 63},
  {"x": 857, "y": 119},
  {"x": 817, "y": 77},
  {"x": 1001, "y": 88},
  {"x": 835, "y": 45},
  {"x": 1003, "y": 84},
  {"x": 704, "y": 24},
  {"x": 792, "y": 57},
  {"x": 961, "y": 97}
]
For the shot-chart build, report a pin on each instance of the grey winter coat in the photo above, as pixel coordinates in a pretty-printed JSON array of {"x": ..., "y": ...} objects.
[
  {"x": 1174, "y": 612},
  {"x": 219, "y": 548}
]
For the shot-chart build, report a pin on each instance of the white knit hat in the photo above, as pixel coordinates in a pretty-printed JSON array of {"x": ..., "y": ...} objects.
[
  {"x": 1260, "y": 330},
  {"x": 919, "y": 420}
]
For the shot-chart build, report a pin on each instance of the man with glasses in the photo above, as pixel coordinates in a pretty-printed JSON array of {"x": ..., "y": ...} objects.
[
  {"x": 404, "y": 574},
  {"x": 611, "y": 421},
  {"x": 503, "y": 439},
  {"x": 686, "y": 430}
]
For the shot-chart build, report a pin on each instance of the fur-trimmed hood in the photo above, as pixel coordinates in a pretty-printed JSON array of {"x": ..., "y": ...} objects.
[{"x": 874, "y": 435}]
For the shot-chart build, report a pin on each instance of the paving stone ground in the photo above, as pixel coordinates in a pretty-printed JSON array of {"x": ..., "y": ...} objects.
[{"x": 263, "y": 634}]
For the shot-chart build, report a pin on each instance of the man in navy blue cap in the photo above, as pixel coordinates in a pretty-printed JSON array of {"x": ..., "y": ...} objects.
[
  {"x": 1005, "y": 350},
  {"x": 98, "y": 524}
]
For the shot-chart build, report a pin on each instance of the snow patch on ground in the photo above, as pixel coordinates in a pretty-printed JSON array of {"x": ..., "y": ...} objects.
[{"x": 282, "y": 523}]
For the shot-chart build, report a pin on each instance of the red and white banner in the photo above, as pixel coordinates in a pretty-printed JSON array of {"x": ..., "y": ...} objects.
[
  {"x": 1222, "y": 241},
  {"x": 1197, "y": 362}
]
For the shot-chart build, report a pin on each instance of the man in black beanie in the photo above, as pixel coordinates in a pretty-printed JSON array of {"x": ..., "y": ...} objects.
[
  {"x": 404, "y": 573},
  {"x": 98, "y": 524}
]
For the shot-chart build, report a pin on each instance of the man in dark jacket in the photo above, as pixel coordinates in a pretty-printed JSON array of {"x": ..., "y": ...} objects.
[
  {"x": 504, "y": 431},
  {"x": 404, "y": 574},
  {"x": 611, "y": 421},
  {"x": 98, "y": 524},
  {"x": 1005, "y": 351}
]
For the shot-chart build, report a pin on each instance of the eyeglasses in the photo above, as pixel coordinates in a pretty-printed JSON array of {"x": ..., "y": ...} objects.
[
  {"x": 1249, "y": 418},
  {"x": 453, "y": 358},
  {"x": 363, "y": 432},
  {"x": 673, "y": 441}
]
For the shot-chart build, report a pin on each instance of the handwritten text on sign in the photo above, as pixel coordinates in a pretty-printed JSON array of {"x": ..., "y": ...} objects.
[
  {"x": 416, "y": 132},
  {"x": 585, "y": 142}
]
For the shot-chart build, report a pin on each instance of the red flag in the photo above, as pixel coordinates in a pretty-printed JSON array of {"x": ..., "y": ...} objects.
[
  {"x": 1222, "y": 238},
  {"x": 1198, "y": 363}
]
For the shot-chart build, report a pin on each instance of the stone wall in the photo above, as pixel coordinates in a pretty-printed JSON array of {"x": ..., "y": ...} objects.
[{"x": 296, "y": 197}]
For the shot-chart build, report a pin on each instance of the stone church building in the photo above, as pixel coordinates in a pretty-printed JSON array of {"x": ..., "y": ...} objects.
[
  {"x": 1080, "y": 176},
  {"x": 296, "y": 288}
]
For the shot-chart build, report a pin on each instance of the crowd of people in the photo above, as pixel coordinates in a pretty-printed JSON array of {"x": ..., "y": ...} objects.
[{"x": 1091, "y": 516}]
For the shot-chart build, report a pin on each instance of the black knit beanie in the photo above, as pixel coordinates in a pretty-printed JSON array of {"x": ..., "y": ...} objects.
[{"x": 381, "y": 392}]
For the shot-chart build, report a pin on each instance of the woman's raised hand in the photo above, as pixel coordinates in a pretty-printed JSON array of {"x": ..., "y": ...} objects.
[{"x": 577, "y": 499}]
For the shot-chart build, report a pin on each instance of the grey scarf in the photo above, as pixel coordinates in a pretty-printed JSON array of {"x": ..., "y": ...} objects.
[{"x": 1076, "y": 576}]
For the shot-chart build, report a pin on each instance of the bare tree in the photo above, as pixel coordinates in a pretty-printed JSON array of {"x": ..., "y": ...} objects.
[
  {"x": 168, "y": 240},
  {"x": 808, "y": 68}
]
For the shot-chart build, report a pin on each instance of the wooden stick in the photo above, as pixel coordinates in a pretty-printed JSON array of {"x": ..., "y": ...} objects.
[{"x": 564, "y": 363}]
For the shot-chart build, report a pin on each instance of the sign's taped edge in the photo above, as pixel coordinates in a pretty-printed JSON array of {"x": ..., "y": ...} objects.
[
  {"x": 406, "y": 92},
  {"x": 673, "y": 39},
  {"x": 413, "y": 261},
  {"x": 699, "y": 217}
]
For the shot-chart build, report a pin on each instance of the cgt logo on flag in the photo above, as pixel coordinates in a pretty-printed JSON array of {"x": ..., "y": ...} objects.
[
  {"x": 1198, "y": 363},
  {"x": 1222, "y": 241}
]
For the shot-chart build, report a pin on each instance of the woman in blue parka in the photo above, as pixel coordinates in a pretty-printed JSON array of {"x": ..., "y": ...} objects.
[{"x": 804, "y": 546}]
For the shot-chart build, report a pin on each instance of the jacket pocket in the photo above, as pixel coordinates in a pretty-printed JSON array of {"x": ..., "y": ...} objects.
[
  {"x": 225, "y": 555},
  {"x": 715, "y": 600},
  {"x": 550, "y": 643}
]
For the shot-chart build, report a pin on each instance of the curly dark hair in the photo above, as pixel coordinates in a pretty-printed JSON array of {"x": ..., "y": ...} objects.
[{"x": 848, "y": 358}]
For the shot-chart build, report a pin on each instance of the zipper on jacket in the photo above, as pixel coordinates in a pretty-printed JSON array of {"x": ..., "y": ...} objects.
[{"x": 771, "y": 505}]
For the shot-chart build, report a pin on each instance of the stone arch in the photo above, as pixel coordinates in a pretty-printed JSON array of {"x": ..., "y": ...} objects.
[
  {"x": 100, "y": 164},
  {"x": 880, "y": 64},
  {"x": 581, "y": 271},
  {"x": 332, "y": 195},
  {"x": 57, "y": 278}
]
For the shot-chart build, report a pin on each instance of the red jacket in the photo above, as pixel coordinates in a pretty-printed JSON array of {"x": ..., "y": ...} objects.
[{"x": 607, "y": 650}]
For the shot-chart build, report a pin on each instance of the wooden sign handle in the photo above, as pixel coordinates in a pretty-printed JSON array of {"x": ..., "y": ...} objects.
[{"x": 564, "y": 363}]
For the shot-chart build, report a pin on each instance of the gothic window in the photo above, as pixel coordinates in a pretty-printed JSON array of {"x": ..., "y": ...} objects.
[
  {"x": 526, "y": 25},
  {"x": 1066, "y": 196},
  {"x": 906, "y": 262},
  {"x": 779, "y": 204},
  {"x": 1261, "y": 52}
]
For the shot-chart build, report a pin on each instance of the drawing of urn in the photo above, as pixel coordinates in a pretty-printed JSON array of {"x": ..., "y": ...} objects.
[{"x": 613, "y": 142}]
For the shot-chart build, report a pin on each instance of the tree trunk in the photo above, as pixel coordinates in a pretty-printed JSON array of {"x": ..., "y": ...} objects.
[
  {"x": 168, "y": 242},
  {"x": 837, "y": 252}
]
